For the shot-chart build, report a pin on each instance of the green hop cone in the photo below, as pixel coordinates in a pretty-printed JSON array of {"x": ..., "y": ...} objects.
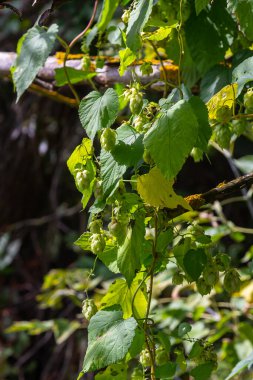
[
  {"x": 222, "y": 135},
  {"x": 88, "y": 309},
  {"x": 82, "y": 179},
  {"x": 145, "y": 358},
  {"x": 108, "y": 139},
  {"x": 177, "y": 278},
  {"x": 97, "y": 243},
  {"x": 98, "y": 189},
  {"x": 203, "y": 287},
  {"x": 223, "y": 114},
  {"x": 232, "y": 282},
  {"x": 118, "y": 230},
  {"x": 95, "y": 226},
  {"x": 137, "y": 374},
  {"x": 125, "y": 16},
  {"x": 136, "y": 103},
  {"x": 239, "y": 126},
  {"x": 211, "y": 275},
  {"x": 248, "y": 100},
  {"x": 222, "y": 262}
]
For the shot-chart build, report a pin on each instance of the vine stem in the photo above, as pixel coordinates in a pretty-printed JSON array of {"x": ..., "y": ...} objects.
[
  {"x": 68, "y": 49},
  {"x": 180, "y": 42}
]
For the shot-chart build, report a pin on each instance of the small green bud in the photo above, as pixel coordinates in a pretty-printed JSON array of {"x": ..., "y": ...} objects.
[
  {"x": 232, "y": 282},
  {"x": 145, "y": 358},
  {"x": 223, "y": 114},
  {"x": 125, "y": 16},
  {"x": 95, "y": 226},
  {"x": 211, "y": 275},
  {"x": 88, "y": 308},
  {"x": 136, "y": 103},
  {"x": 147, "y": 157},
  {"x": 222, "y": 135}
]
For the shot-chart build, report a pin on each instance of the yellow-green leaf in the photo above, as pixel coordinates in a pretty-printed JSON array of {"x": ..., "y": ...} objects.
[
  {"x": 127, "y": 57},
  {"x": 225, "y": 97},
  {"x": 160, "y": 34},
  {"x": 157, "y": 191},
  {"x": 80, "y": 155},
  {"x": 120, "y": 294}
]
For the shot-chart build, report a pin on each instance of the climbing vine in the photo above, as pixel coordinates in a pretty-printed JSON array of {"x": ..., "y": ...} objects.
[{"x": 134, "y": 146}]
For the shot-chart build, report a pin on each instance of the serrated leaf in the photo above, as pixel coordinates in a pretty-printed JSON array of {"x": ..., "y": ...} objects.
[
  {"x": 200, "y": 5},
  {"x": 97, "y": 111},
  {"x": 203, "y": 371},
  {"x": 204, "y": 130},
  {"x": 114, "y": 371},
  {"x": 127, "y": 152},
  {"x": 242, "y": 365},
  {"x": 194, "y": 262},
  {"x": 127, "y": 57},
  {"x": 243, "y": 74},
  {"x": 166, "y": 371},
  {"x": 129, "y": 253},
  {"x": 225, "y": 97},
  {"x": 109, "y": 339},
  {"x": 75, "y": 76},
  {"x": 138, "y": 18},
  {"x": 34, "y": 52},
  {"x": 172, "y": 138},
  {"x": 243, "y": 10},
  {"x": 120, "y": 294},
  {"x": 245, "y": 164},
  {"x": 157, "y": 191}
]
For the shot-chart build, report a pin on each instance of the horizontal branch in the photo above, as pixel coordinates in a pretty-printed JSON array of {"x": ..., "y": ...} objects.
[
  {"x": 218, "y": 193},
  {"x": 107, "y": 76}
]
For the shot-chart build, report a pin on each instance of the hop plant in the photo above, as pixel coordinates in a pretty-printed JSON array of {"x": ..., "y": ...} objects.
[
  {"x": 223, "y": 114},
  {"x": 211, "y": 274},
  {"x": 95, "y": 226},
  {"x": 248, "y": 100},
  {"x": 145, "y": 358},
  {"x": 222, "y": 262},
  {"x": 203, "y": 287},
  {"x": 136, "y": 103},
  {"x": 88, "y": 308},
  {"x": 118, "y": 230},
  {"x": 125, "y": 16},
  {"x": 97, "y": 243},
  {"x": 232, "y": 281},
  {"x": 161, "y": 356},
  {"x": 108, "y": 139},
  {"x": 222, "y": 135},
  {"x": 177, "y": 278},
  {"x": 83, "y": 179}
]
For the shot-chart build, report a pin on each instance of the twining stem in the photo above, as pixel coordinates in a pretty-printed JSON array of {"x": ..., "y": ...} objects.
[
  {"x": 72, "y": 43},
  {"x": 180, "y": 43}
]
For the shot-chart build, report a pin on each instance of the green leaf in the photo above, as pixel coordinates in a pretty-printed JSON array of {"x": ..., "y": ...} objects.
[
  {"x": 204, "y": 130},
  {"x": 243, "y": 10},
  {"x": 183, "y": 329},
  {"x": 245, "y": 164},
  {"x": 34, "y": 327},
  {"x": 138, "y": 18},
  {"x": 97, "y": 111},
  {"x": 75, "y": 76},
  {"x": 117, "y": 371},
  {"x": 109, "y": 339},
  {"x": 214, "y": 80},
  {"x": 161, "y": 33},
  {"x": 120, "y": 294},
  {"x": 242, "y": 365},
  {"x": 127, "y": 152},
  {"x": 200, "y": 30},
  {"x": 172, "y": 138},
  {"x": 194, "y": 262},
  {"x": 129, "y": 254},
  {"x": 108, "y": 256},
  {"x": 33, "y": 54},
  {"x": 196, "y": 350},
  {"x": 63, "y": 329},
  {"x": 80, "y": 155},
  {"x": 127, "y": 57},
  {"x": 243, "y": 73},
  {"x": 200, "y": 5},
  {"x": 108, "y": 10},
  {"x": 203, "y": 371},
  {"x": 166, "y": 371}
]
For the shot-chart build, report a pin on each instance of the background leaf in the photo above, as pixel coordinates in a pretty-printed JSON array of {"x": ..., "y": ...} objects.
[
  {"x": 35, "y": 50},
  {"x": 194, "y": 262}
]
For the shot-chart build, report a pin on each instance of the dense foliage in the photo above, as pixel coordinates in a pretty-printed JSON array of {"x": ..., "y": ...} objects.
[{"x": 135, "y": 145}]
